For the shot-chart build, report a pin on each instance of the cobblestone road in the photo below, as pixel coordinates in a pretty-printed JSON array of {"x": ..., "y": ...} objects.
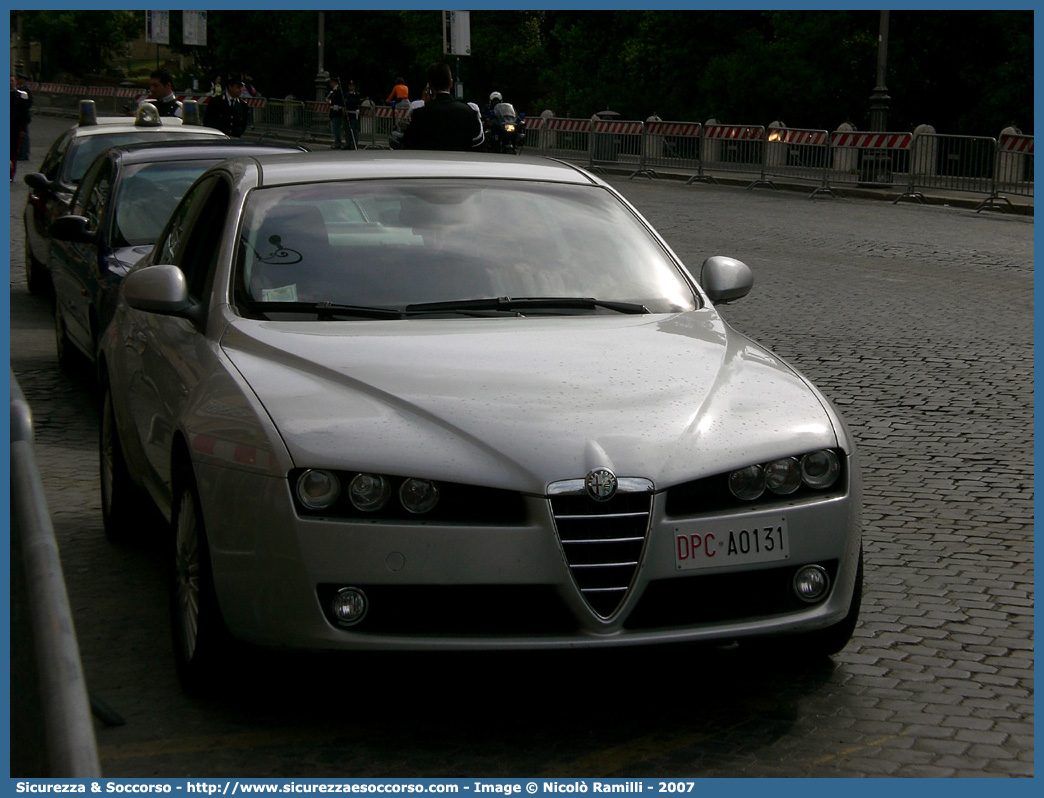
[{"x": 918, "y": 323}]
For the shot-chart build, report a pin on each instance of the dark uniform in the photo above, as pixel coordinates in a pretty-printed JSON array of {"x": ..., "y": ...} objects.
[
  {"x": 23, "y": 86},
  {"x": 443, "y": 124},
  {"x": 352, "y": 103},
  {"x": 228, "y": 114},
  {"x": 168, "y": 106},
  {"x": 19, "y": 123},
  {"x": 336, "y": 99}
]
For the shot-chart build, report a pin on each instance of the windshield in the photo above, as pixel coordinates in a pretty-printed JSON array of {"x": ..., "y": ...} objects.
[
  {"x": 505, "y": 112},
  {"x": 84, "y": 149},
  {"x": 401, "y": 243},
  {"x": 147, "y": 195}
]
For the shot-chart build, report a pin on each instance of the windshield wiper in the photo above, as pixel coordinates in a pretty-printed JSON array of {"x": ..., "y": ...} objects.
[
  {"x": 327, "y": 310},
  {"x": 516, "y": 304}
]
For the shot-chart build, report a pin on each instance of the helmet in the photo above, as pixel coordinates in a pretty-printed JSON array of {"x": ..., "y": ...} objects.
[{"x": 496, "y": 97}]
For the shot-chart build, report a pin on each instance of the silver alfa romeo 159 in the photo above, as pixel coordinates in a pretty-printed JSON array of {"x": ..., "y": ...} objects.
[{"x": 434, "y": 401}]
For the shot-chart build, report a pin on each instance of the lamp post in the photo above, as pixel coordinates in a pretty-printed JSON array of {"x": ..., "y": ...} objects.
[
  {"x": 322, "y": 77},
  {"x": 879, "y": 99}
]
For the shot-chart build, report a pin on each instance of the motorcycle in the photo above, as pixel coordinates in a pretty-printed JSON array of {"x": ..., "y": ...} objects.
[{"x": 506, "y": 130}]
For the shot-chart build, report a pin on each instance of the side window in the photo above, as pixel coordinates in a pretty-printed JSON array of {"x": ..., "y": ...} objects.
[
  {"x": 98, "y": 194},
  {"x": 200, "y": 253},
  {"x": 53, "y": 160},
  {"x": 171, "y": 244}
]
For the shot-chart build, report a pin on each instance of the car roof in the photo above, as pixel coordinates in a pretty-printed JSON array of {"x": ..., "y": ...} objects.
[
  {"x": 317, "y": 167},
  {"x": 108, "y": 125},
  {"x": 195, "y": 149}
]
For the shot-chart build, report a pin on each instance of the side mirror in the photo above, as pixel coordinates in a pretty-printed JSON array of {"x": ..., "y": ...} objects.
[
  {"x": 726, "y": 279},
  {"x": 73, "y": 228},
  {"x": 159, "y": 289},
  {"x": 37, "y": 182}
]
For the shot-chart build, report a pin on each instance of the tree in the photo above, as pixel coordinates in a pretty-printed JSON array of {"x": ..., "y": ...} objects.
[{"x": 81, "y": 42}]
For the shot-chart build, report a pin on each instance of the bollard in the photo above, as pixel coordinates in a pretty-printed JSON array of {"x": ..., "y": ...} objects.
[
  {"x": 549, "y": 139},
  {"x": 1011, "y": 164},
  {"x": 925, "y": 152},
  {"x": 845, "y": 159},
  {"x": 776, "y": 154}
]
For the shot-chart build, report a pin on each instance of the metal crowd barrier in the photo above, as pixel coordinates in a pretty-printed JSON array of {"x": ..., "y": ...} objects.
[
  {"x": 671, "y": 145},
  {"x": 831, "y": 160},
  {"x": 52, "y": 733}
]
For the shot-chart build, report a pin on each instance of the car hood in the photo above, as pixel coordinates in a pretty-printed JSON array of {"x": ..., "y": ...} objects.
[{"x": 520, "y": 403}]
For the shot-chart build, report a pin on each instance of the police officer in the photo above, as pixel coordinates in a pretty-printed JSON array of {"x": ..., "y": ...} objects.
[
  {"x": 19, "y": 122},
  {"x": 352, "y": 103},
  {"x": 336, "y": 99},
  {"x": 228, "y": 113},
  {"x": 161, "y": 93}
]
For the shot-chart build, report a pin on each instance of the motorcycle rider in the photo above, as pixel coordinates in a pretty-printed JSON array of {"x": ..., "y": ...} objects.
[{"x": 494, "y": 98}]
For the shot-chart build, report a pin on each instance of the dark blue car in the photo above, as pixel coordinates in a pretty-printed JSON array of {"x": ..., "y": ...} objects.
[{"x": 115, "y": 216}]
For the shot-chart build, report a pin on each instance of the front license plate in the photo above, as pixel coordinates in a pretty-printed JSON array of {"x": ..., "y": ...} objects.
[{"x": 719, "y": 543}]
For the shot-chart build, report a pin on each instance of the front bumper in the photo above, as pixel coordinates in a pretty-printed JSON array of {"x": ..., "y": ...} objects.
[{"x": 457, "y": 587}]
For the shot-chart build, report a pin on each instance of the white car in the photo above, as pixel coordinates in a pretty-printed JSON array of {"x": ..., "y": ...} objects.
[{"x": 452, "y": 401}]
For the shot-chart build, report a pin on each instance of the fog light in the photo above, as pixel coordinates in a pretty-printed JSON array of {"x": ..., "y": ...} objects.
[
  {"x": 369, "y": 492},
  {"x": 317, "y": 490},
  {"x": 349, "y": 606},
  {"x": 419, "y": 495},
  {"x": 747, "y": 483},
  {"x": 811, "y": 583}
]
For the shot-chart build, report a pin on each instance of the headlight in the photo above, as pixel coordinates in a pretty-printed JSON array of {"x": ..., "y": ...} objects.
[
  {"x": 369, "y": 492},
  {"x": 419, "y": 495},
  {"x": 820, "y": 469},
  {"x": 747, "y": 483},
  {"x": 317, "y": 489},
  {"x": 783, "y": 476},
  {"x": 509, "y": 128}
]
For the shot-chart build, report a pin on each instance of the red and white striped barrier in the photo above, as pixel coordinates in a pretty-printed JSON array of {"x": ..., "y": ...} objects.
[
  {"x": 1022, "y": 145},
  {"x": 874, "y": 141},
  {"x": 617, "y": 128},
  {"x": 734, "y": 132},
  {"x": 569, "y": 125},
  {"x": 797, "y": 137},
  {"x": 681, "y": 129}
]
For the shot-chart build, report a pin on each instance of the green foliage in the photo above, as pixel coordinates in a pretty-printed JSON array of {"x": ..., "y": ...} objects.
[
  {"x": 964, "y": 72},
  {"x": 81, "y": 42}
]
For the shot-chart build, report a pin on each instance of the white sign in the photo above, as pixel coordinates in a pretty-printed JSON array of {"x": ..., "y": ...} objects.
[
  {"x": 456, "y": 34},
  {"x": 194, "y": 27},
  {"x": 157, "y": 27}
]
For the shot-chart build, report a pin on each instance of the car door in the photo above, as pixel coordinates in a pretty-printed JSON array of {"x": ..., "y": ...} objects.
[
  {"x": 43, "y": 204},
  {"x": 175, "y": 353},
  {"x": 76, "y": 266}
]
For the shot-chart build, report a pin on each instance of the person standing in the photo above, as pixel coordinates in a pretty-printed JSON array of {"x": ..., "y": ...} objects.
[
  {"x": 228, "y": 113},
  {"x": 335, "y": 97},
  {"x": 161, "y": 93},
  {"x": 22, "y": 81},
  {"x": 443, "y": 123},
  {"x": 19, "y": 122},
  {"x": 352, "y": 104}
]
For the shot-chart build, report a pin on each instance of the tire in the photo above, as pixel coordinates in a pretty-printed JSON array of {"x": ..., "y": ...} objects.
[
  {"x": 202, "y": 643},
  {"x": 68, "y": 356},
  {"x": 123, "y": 503},
  {"x": 36, "y": 276}
]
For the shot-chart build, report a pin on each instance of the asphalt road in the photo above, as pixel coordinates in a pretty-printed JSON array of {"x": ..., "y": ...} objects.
[{"x": 917, "y": 321}]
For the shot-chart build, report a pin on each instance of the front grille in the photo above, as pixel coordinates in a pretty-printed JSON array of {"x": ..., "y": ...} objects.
[{"x": 603, "y": 544}]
